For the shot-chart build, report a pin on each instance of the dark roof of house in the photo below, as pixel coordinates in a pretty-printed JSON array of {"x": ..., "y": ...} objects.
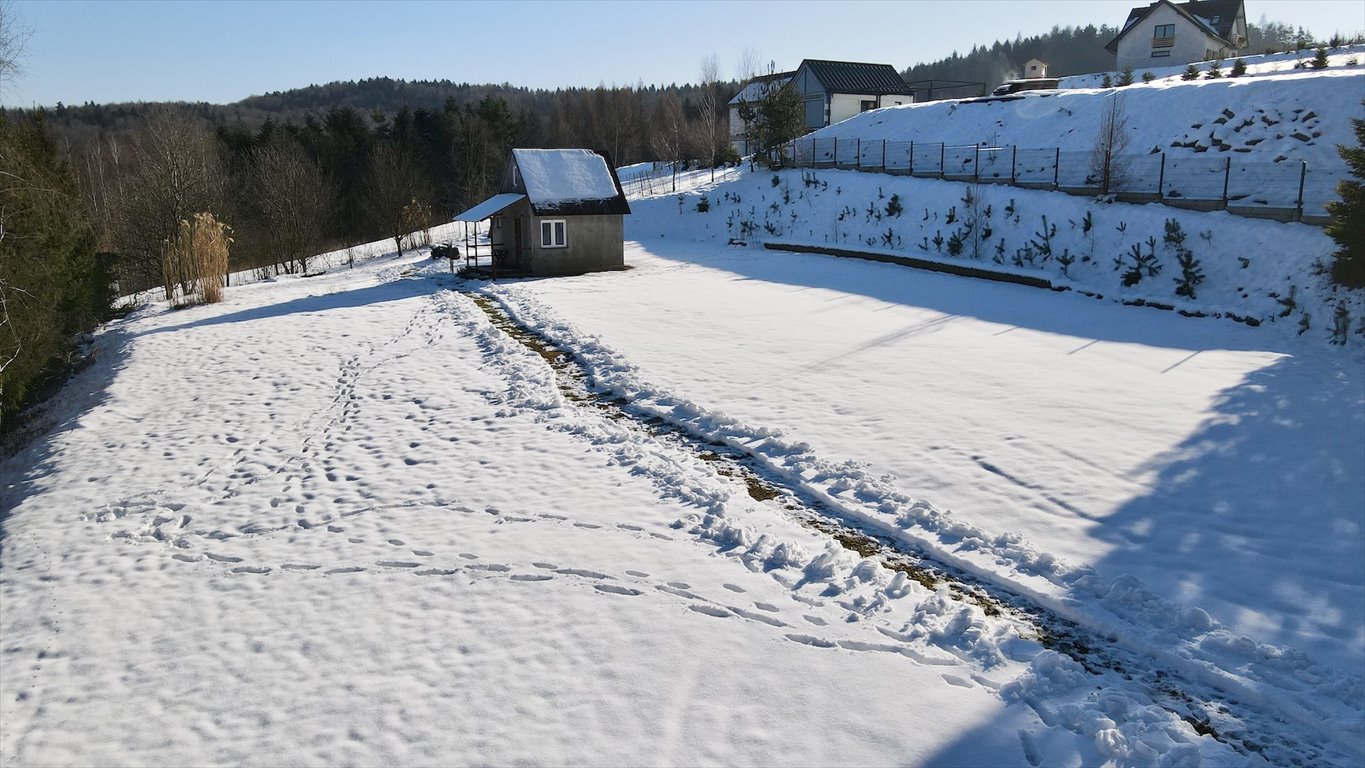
[
  {"x": 569, "y": 182},
  {"x": 856, "y": 77},
  {"x": 1214, "y": 17}
]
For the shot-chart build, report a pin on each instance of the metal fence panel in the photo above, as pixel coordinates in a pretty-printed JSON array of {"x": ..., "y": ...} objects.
[{"x": 1205, "y": 178}]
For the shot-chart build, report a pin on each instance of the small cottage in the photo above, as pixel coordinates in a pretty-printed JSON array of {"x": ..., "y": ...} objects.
[
  {"x": 1166, "y": 34},
  {"x": 559, "y": 212}
]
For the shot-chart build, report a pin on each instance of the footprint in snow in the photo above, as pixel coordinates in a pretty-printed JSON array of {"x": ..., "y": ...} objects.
[
  {"x": 640, "y": 574},
  {"x": 251, "y": 569},
  {"x": 733, "y": 588},
  {"x": 224, "y": 558},
  {"x": 590, "y": 526},
  {"x": 615, "y": 590},
  {"x": 582, "y": 572},
  {"x": 396, "y": 564},
  {"x": 436, "y": 571},
  {"x": 530, "y": 577},
  {"x": 816, "y": 642},
  {"x": 352, "y": 569}
]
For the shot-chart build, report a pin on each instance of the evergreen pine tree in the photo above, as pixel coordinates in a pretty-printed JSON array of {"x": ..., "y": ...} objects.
[
  {"x": 1126, "y": 77},
  {"x": 1319, "y": 59},
  {"x": 1239, "y": 68},
  {"x": 1191, "y": 72},
  {"x": 1347, "y": 227}
]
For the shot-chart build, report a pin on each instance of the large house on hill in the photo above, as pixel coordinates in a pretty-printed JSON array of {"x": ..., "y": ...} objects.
[
  {"x": 1166, "y": 34},
  {"x": 831, "y": 91}
]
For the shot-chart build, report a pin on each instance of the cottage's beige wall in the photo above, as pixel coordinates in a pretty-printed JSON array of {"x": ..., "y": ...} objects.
[{"x": 594, "y": 243}]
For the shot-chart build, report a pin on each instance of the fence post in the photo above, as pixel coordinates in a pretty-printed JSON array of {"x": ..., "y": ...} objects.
[
  {"x": 1227, "y": 174},
  {"x": 1303, "y": 176},
  {"x": 835, "y": 156},
  {"x": 858, "y": 152},
  {"x": 942, "y": 156},
  {"x": 1057, "y": 168},
  {"x": 1014, "y": 160},
  {"x": 976, "y": 164},
  {"x": 1161, "y": 180},
  {"x": 883, "y": 154},
  {"x": 912, "y": 157},
  {"x": 1108, "y": 167}
]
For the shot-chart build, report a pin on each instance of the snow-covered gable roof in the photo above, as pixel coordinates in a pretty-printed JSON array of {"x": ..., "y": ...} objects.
[
  {"x": 754, "y": 89},
  {"x": 568, "y": 181},
  {"x": 1215, "y": 18}
]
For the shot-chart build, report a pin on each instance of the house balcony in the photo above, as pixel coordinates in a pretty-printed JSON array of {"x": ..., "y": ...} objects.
[{"x": 1163, "y": 42}]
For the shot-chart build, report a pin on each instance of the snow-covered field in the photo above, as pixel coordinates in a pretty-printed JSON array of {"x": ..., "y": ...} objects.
[{"x": 730, "y": 506}]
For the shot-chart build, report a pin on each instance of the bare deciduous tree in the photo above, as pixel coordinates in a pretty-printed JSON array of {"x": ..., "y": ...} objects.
[
  {"x": 670, "y": 128},
  {"x": 1109, "y": 160},
  {"x": 296, "y": 202},
  {"x": 137, "y": 194},
  {"x": 393, "y": 182},
  {"x": 12, "y": 40},
  {"x": 708, "y": 130}
]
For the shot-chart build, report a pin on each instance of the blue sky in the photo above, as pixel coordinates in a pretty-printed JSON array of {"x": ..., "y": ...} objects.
[{"x": 223, "y": 51}]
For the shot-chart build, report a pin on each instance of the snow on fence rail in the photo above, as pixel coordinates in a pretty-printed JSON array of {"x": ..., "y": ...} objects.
[{"x": 1283, "y": 191}]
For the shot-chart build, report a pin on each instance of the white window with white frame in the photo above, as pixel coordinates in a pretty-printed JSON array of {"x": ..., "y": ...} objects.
[{"x": 553, "y": 234}]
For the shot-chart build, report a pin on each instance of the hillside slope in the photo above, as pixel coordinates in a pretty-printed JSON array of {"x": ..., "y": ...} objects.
[{"x": 1276, "y": 116}]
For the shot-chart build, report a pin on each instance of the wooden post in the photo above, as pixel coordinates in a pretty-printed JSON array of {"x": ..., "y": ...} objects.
[
  {"x": 858, "y": 152},
  {"x": 912, "y": 158},
  {"x": 1227, "y": 174},
  {"x": 1104, "y": 177},
  {"x": 976, "y": 164},
  {"x": 1014, "y": 163},
  {"x": 1161, "y": 179},
  {"x": 883, "y": 154},
  {"x": 1057, "y": 168},
  {"x": 1303, "y": 176},
  {"x": 835, "y": 155},
  {"x": 942, "y": 157}
]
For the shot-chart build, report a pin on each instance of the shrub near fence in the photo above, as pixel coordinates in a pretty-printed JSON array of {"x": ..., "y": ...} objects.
[{"x": 1283, "y": 191}]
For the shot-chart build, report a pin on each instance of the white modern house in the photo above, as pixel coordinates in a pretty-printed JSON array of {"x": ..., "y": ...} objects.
[
  {"x": 834, "y": 91},
  {"x": 1166, "y": 34},
  {"x": 831, "y": 91}
]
